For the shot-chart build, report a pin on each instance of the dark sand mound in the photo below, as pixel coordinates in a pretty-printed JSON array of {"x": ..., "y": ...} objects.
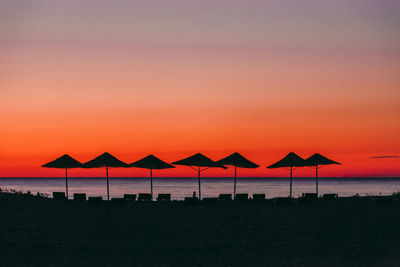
[{"x": 344, "y": 232}]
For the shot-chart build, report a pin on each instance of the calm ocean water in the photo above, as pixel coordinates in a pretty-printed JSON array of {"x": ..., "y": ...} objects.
[{"x": 211, "y": 187}]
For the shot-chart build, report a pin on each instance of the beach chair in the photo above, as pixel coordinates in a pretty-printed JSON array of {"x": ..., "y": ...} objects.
[
  {"x": 79, "y": 196},
  {"x": 242, "y": 197},
  {"x": 117, "y": 200},
  {"x": 59, "y": 195},
  {"x": 190, "y": 200},
  {"x": 309, "y": 196},
  {"x": 284, "y": 200},
  {"x": 130, "y": 197},
  {"x": 330, "y": 196},
  {"x": 144, "y": 197},
  {"x": 95, "y": 199},
  {"x": 225, "y": 197},
  {"x": 164, "y": 197},
  {"x": 258, "y": 196},
  {"x": 209, "y": 200}
]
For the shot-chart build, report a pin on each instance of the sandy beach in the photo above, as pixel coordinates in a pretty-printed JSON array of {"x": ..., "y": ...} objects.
[{"x": 358, "y": 231}]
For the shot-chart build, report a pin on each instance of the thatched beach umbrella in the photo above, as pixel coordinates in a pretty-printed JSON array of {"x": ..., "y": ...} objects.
[
  {"x": 290, "y": 161},
  {"x": 152, "y": 163},
  {"x": 315, "y": 161},
  {"x": 105, "y": 160},
  {"x": 199, "y": 160},
  {"x": 238, "y": 161},
  {"x": 64, "y": 162}
]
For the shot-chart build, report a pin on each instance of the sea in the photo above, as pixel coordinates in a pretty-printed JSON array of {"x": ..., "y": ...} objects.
[{"x": 182, "y": 187}]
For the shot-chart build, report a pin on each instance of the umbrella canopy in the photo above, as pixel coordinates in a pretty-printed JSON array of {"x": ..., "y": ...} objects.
[
  {"x": 105, "y": 160},
  {"x": 316, "y": 160},
  {"x": 238, "y": 161},
  {"x": 199, "y": 160},
  {"x": 290, "y": 161},
  {"x": 153, "y": 163},
  {"x": 64, "y": 162}
]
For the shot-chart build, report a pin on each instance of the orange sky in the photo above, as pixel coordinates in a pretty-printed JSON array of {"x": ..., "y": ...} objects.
[{"x": 211, "y": 78}]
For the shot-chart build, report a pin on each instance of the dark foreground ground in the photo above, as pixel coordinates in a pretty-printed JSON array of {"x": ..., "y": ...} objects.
[{"x": 344, "y": 232}]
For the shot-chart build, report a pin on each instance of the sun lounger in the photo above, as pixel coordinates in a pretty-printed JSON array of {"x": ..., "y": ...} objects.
[
  {"x": 130, "y": 197},
  {"x": 209, "y": 200},
  {"x": 144, "y": 197},
  {"x": 330, "y": 196},
  {"x": 191, "y": 200},
  {"x": 225, "y": 197},
  {"x": 307, "y": 198},
  {"x": 164, "y": 197},
  {"x": 258, "y": 196},
  {"x": 309, "y": 195},
  {"x": 117, "y": 200},
  {"x": 59, "y": 195},
  {"x": 95, "y": 199},
  {"x": 79, "y": 196},
  {"x": 242, "y": 197},
  {"x": 283, "y": 200}
]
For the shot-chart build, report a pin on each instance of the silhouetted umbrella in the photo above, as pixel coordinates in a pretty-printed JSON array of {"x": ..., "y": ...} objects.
[
  {"x": 198, "y": 160},
  {"x": 64, "y": 162},
  {"x": 291, "y": 160},
  {"x": 153, "y": 163},
  {"x": 238, "y": 161},
  {"x": 105, "y": 160},
  {"x": 316, "y": 160}
]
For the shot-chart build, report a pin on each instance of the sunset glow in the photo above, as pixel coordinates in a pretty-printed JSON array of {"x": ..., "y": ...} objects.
[{"x": 215, "y": 77}]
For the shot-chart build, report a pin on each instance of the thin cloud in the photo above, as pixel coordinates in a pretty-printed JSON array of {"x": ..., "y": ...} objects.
[{"x": 385, "y": 157}]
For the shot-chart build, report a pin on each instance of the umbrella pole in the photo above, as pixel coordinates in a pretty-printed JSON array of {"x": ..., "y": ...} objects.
[
  {"x": 316, "y": 179},
  {"x": 291, "y": 173},
  {"x": 108, "y": 188},
  {"x": 66, "y": 182},
  {"x": 151, "y": 183},
  {"x": 234, "y": 186},
  {"x": 199, "y": 184}
]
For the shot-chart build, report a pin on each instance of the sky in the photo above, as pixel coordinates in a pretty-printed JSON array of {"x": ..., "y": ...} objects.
[{"x": 173, "y": 78}]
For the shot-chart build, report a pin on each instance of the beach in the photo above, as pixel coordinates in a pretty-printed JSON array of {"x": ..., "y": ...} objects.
[{"x": 355, "y": 231}]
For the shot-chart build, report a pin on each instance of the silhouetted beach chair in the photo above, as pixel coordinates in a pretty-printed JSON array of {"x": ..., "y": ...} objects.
[
  {"x": 95, "y": 199},
  {"x": 309, "y": 196},
  {"x": 130, "y": 197},
  {"x": 283, "y": 200},
  {"x": 225, "y": 197},
  {"x": 79, "y": 196},
  {"x": 330, "y": 196},
  {"x": 209, "y": 200},
  {"x": 258, "y": 196},
  {"x": 117, "y": 200},
  {"x": 242, "y": 197},
  {"x": 59, "y": 195},
  {"x": 144, "y": 197},
  {"x": 191, "y": 200},
  {"x": 164, "y": 197}
]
